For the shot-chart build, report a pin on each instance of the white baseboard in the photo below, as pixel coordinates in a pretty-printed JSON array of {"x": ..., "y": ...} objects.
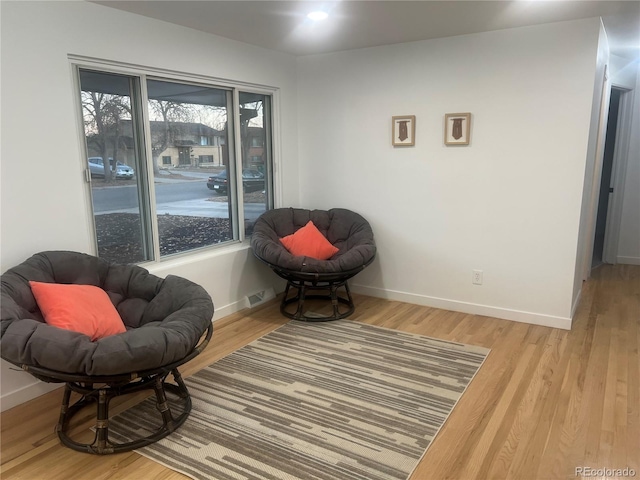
[
  {"x": 576, "y": 303},
  {"x": 24, "y": 394},
  {"x": 465, "y": 307},
  {"x": 221, "y": 312},
  {"x": 628, "y": 260}
]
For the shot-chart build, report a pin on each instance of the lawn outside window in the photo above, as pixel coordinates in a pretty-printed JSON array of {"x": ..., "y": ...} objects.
[{"x": 170, "y": 143}]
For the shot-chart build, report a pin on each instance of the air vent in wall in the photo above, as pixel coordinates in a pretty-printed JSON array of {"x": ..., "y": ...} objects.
[{"x": 258, "y": 298}]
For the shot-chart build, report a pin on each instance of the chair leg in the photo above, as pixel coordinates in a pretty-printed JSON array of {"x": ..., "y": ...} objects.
[
  {"x": 349, "y": 301},
  {"x": 64, "y": 409},
  {"x": 102, "y": 444},
  {"x": 163, "y": 405},
  {"x": 330, "y": 290},
  {"x": 334, "y": 300},
  {"x": 302, "y": 291},
  {"x": 286, "y": 291},
  {"x": 182, "y": 391}
]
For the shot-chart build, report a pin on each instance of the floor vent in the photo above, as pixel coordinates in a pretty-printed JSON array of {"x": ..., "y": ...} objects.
[{"x": 258, "y": 298}]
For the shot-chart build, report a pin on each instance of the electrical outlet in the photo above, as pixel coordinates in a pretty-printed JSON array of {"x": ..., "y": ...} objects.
[{"x": 476, "y": 277}]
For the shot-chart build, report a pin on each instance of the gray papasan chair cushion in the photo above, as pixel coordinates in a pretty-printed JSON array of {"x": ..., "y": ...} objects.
[
  {"x": 344, "y": 229},
  {"x": 164, "y": 318}
]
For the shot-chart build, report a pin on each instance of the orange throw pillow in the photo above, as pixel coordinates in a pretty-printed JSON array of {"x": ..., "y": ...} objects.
[
  {"x": 80, "y": 308},
  {"x": 309, "y": 242}
]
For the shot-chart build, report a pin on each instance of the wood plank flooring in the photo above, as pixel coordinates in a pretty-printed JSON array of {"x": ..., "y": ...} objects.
[{"x": 545, "y": 402}]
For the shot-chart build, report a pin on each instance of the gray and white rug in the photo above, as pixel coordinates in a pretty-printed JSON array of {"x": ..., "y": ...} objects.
[{"x": 332, "y": 401}]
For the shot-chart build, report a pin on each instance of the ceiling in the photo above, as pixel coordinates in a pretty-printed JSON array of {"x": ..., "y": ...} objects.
[{"x": 283, "y": 25}]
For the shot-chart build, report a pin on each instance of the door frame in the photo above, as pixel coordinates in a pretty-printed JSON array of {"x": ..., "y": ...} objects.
[
  {"x": 618, "y": 175},
  {"x": 594, "y": 186}
]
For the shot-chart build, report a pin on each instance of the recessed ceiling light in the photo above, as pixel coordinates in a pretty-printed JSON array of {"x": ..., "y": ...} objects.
[{"x": 317, "y": 15}]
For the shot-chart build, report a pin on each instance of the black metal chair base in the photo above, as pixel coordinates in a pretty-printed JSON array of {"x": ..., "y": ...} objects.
[
  {"x": 303, "y": 287},
  {"x": 102, "y": 395}
]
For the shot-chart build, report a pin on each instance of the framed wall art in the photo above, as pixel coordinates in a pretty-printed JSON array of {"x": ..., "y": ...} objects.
[
  {"x": 403, "y": 130},
  {"x": 457, "y": 128}
]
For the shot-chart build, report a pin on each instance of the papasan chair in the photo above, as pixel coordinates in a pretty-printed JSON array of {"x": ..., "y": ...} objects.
[
  {"x": 163, "y": 324},
  {"x": 350, "y": 248}
]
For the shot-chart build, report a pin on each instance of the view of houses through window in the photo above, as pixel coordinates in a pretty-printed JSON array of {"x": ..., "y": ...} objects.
[{"x": 181, "y": 163}]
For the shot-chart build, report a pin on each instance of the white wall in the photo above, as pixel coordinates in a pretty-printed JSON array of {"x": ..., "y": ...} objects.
[
  {"x": 593, "y": 167},
  {"x": 629, "y": 241},
  {"x": 624, "y": 71},
  {"x": 43, "y": 198},
  {"x": 508, "y": 204}
]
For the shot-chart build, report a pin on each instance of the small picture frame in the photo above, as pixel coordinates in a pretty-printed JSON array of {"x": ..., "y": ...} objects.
[
  {"x": 403, "y": 130},
  {"x": 457, "y": 128}
]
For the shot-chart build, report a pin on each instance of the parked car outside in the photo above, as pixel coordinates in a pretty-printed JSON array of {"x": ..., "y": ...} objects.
[
  {"x": 122, "y": 171},
  {"x": 252, "y": 180}
]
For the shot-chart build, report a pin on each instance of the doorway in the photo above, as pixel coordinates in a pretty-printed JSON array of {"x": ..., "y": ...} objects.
[{"x": 612, "y": 180}]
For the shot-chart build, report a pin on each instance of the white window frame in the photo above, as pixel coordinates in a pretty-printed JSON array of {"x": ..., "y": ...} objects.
[{"x": 143, "y": 73}]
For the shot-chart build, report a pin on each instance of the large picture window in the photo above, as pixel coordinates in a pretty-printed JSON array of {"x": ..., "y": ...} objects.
[{"x": 147, "y": 206}]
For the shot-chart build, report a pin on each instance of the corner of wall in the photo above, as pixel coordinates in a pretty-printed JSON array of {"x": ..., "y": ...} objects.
[{"x": 593, "y": 162}]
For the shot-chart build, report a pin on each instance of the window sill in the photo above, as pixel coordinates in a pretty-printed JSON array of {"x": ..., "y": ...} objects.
[{"x": 189, "y": 258}]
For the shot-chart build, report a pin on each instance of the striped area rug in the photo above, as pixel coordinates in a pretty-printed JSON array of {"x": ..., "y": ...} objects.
[{"x": 326, "y": 401}]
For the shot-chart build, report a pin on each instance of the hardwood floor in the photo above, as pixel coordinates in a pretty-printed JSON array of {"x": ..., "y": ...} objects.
[{"x": 545, "y": 402}]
